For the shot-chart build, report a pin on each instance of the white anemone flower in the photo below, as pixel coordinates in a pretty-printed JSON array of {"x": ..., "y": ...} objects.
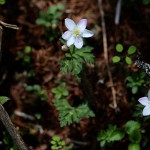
[
  {"x": 146, "y": 102},
  {"x": 76, "y": 32}
]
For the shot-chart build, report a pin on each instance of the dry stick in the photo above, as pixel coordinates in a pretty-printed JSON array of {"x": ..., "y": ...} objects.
[
  {"x": 106, "y": 53},
  {"x": 4, "y": 117}
]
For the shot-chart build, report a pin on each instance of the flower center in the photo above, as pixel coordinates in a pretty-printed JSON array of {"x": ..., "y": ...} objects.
[{"x": 76, "y": 32}]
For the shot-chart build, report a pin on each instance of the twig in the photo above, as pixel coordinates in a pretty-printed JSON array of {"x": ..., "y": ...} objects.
[
  {"x": 4, "y": 117},
  {"x": 8, "y": 25},
  {"x": 106, "y": 53}
]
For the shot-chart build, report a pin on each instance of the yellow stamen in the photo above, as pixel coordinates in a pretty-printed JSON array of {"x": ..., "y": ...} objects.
[{"x": 76, "y": 32}]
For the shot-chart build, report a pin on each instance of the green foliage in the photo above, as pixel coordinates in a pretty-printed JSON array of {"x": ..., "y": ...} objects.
[
  {"x": 136, "y": 81},
  {"x": 75, "y": 59},
  {"x": 119, "y": 48},
  {"x": 67, "y": 113},
  {"x": 60, "y": 91},
  {"x": 146, "y": 2},
  {"x": 25, "y": 55},
  {"x": 2, "y": 2},
  {"x": 36, "y": 89},
  {"x": 3, "y": 99},
  {"x": 134, "y": 146},
  {"x": 8, "y": 142},
  {"x": 50, "y": 20},
  {"x": 128, "y": 56},
  {"x": 132, "y": 128},
  {"x": 58, "y": 144},
  {"x": 116, "y": 59},
  {"x": 132, "y": 125},
  {"x": 110, "y": 135}
]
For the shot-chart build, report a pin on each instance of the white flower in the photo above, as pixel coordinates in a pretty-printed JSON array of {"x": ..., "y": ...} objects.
[
  {"x": 146, "y": 102},
  {"x": 76, "y": 32}
]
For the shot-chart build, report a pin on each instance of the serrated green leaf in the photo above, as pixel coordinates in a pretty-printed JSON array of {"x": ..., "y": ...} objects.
[
  {"x": 134, "y": 146},
  {"x": 110, "y": 135},
  {"x": 132, "y": 125},
  {"x": 116, "y": 59},
  {"x": 131, "y": 50},
  {"x": 3, "y": 99},
  {"x": 119, "y": 48},
  {"x": 128, "y": 60}
]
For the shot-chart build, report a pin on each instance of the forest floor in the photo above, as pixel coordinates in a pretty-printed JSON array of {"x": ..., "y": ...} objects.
[{"x": 43, "y": 69}]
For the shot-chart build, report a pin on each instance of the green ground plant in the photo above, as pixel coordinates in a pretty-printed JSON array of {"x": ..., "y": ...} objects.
[
  {"x": 50, "y": 20},
  {"x": 67, "y": 113},
  {"x": 36, "y": 90},
  {"x": 58, "y": 144},
  {"x": 128, "y": 55},
  {"x": 112, "y": 134}
]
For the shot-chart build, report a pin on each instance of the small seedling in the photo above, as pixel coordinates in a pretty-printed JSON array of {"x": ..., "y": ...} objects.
[
  {"x": 50, "y": 20},
  {"x": 36, "y": 89},
  {"x": 128, "y": 58},
  {"x": 136, "y": 81},
  {"x": 25, "y": 55}
]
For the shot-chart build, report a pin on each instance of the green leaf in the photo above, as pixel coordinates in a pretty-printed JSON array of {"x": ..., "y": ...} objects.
[
  {"x": 2, "y": 2},
  {"x": 131, "y": 50},
  {"x": 119, "y": 48},
  {"x": 110, "y": 135},
  {"x": 128, "y": 60},
  {"x": 134, "y": 90},
  {"x": 60, "y": 7},
  {"x": 3, "y": 99},
  {"x": 132, "y": 125},
  {"x": 85, "y": 54},
  {"x": 116, "y": 59},
  {"x": 134, "y": 146},
  {"x": 56, "y": 138},
  {"x": 27, "y": 49},
  {"x": 135, "y": 136}
]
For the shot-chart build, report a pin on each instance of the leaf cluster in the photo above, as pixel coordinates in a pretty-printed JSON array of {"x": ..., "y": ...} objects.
[
  {"x": 75, "y": 60},
  {"x": 67, "y": 113},
  {"x": 24, "y": 56},
  {"x": 58, "y": 144},
  {"x": 3, "y": 99},
  {"x": 132, "y": 128},
  {"x": 50, "y": 18},
  {"x": 119, "y": 48},
  {"x": 36, "y": 89},
  {"x": 110, "y": 135},
  {"x": 146, "y": 2},
  {"x": 2, "y": 2},
  {"x": 136, "y": 81}
]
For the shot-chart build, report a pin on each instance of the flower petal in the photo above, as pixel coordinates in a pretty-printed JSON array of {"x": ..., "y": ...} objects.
[
  {"x": 144, "y": 101},
  {"x": 149, "y": 94},
  {"x": 71, "y": 40},
  {"x": 79, "y": 42},
  {"x": 82, "y": 24},
  {"x": 66, "y": 35},
  {"x": 146, "y": 111},
  {"x": 70, "y": 24},
  {"x": 87, "y": 33}
]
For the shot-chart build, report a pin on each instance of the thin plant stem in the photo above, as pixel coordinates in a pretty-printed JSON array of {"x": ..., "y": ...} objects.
[{"x": 106, "y": 53}]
